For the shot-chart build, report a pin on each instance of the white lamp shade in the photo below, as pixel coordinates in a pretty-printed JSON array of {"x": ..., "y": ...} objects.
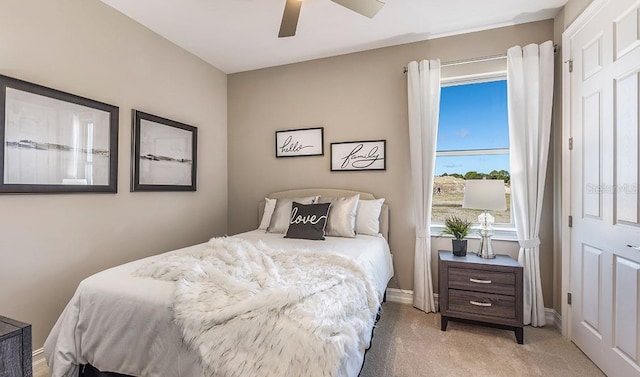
[{"x": 484, "y": 194}]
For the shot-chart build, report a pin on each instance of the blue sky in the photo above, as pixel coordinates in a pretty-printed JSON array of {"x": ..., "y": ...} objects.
[{"x": 473, "y": 116}]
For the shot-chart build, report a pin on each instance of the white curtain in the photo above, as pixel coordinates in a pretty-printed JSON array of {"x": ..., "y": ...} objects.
[
  {"x": 423, "y": 83},
  {"x": 530, "y": 96}
]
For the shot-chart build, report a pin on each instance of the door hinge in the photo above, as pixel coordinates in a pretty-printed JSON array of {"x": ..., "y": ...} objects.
[
  {"x": 570, "y": 61},
  {"x": 570, "y": 143},
  {"x": 569, "y": 298},
  {"x": 570, "y": 221}
]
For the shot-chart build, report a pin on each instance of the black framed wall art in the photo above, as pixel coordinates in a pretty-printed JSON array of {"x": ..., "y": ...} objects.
[
  {"x": 55, "y": 142},
  {"x": 300, "y": 142},
  {"x": 164, "y": 154},
  {"x": 358, "y": 155}
]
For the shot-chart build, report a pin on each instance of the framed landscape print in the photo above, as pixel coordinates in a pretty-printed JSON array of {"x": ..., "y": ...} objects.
[
  {"x": 55, "y": 142},
  {"x": 358, "y": 155},
  {"x": 164, "y": 154},
  {"x": 300, "y": 142}
]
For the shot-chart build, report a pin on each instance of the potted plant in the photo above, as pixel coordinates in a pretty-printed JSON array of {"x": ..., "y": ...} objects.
[{"x": 458, "y": 228}]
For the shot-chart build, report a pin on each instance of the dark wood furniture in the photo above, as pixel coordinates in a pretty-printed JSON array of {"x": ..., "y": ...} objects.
[
  {"x": 481, "y": 291},
  {"x": 15, "y": 348}
]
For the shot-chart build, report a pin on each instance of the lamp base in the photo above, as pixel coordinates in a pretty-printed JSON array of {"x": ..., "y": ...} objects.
[
  {"x": 486, "y": 251},
  {"x": 486, "y": 255}
]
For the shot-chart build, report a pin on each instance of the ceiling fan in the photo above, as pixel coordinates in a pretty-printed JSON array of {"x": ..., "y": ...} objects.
[{"x": 368, "y": 8}]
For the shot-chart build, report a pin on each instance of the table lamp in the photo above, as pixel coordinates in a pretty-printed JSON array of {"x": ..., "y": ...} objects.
[{"x": 485, "y": 194}]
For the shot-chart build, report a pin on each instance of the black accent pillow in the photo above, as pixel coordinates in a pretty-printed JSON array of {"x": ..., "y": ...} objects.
[{"x": 308, "y": 221}]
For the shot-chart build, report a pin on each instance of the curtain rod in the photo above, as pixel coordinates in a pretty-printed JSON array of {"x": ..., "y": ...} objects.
[
  {"x": 476, "y": 60},
  {"x": 467, "y": 61}
]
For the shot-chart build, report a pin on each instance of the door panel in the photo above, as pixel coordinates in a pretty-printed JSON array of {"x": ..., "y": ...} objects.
[
  {"x": 627, "y": 32},
  {"x": 626, "y": 149},
  {"x": 592, "y": 58},
  {"x": 626, "y": 324},
  {"x": 592, "y": 288},
  {"x": 591, "y": 129}
]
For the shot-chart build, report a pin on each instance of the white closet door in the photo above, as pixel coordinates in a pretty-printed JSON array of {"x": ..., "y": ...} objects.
[{"x": 605, "y": 205}]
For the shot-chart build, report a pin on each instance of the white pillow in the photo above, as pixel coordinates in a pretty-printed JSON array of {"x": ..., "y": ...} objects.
[
  {"x": 367, "y": 216},
  {"x": 269, "y": 206}
]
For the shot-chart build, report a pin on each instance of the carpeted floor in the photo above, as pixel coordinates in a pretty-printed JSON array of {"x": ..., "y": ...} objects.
[{"x": 409, "y": 343}]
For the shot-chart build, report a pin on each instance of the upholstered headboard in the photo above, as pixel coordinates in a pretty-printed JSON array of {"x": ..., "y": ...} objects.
[{"x": 334, "y": 193}]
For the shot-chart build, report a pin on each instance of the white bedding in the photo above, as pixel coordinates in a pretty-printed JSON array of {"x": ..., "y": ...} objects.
[{"x": 121, "y": 323}]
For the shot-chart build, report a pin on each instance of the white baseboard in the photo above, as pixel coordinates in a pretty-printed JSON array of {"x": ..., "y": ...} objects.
[
  {"x": 553, "y": 318},
  {"x": 401, "y": 296},
  {"x": 37, "y": 357},
  {"x": 404, "y": 296}
]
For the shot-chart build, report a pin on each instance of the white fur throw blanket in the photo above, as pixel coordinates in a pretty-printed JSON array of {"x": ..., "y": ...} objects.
[{"x": 250, "y": 310}]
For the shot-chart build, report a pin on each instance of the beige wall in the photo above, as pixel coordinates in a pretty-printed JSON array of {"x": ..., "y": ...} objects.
[
  {"x": 572, "y": 10},
  {"x": 555, "y": 153},
  {"x": 354, "y": 97},
  {"x": 48, "y": 243}
]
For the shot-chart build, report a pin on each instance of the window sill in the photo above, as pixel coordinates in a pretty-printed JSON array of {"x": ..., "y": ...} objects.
[{"x": 500, "y": 233}]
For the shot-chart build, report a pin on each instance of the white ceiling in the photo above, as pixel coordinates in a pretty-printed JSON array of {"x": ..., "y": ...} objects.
[{"x": 241, "y": 35}]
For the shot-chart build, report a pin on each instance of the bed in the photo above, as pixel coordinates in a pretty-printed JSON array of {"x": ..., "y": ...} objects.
[{"x": 129, "y": 320}]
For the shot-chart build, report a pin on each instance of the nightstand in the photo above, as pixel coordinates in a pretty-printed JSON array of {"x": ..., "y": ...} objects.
[
  {"x": 15, "y": 348},
  {"x": 481, "y": 291}
]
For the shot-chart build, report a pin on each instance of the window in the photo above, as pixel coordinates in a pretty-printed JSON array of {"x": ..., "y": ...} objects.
[{"x": 473, "y": 143}]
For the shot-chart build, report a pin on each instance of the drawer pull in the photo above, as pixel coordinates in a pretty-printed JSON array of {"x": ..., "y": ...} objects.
[
  {"x": 479, "y": 281},
  {"x": 476, "y": 303}
]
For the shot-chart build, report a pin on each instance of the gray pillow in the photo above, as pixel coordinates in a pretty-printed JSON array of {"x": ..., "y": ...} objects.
[
  {"x": 282, "y": 213},
  {"x": 342, "y": 216},
  {"x": 308, "y": 221}
]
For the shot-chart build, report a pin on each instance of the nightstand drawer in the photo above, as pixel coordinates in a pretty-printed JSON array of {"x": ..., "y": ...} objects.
[
  {"x": 484, "y": 304},
  {"x": 501, "y": 283}
]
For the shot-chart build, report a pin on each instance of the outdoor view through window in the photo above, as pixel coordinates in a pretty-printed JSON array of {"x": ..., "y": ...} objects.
[{"x": 473, "y": 143}]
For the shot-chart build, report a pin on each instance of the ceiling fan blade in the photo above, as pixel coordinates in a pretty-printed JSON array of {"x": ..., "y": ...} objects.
[
  {"x": 367, "y": 8},
  {"x": 290, "y": 18}
]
